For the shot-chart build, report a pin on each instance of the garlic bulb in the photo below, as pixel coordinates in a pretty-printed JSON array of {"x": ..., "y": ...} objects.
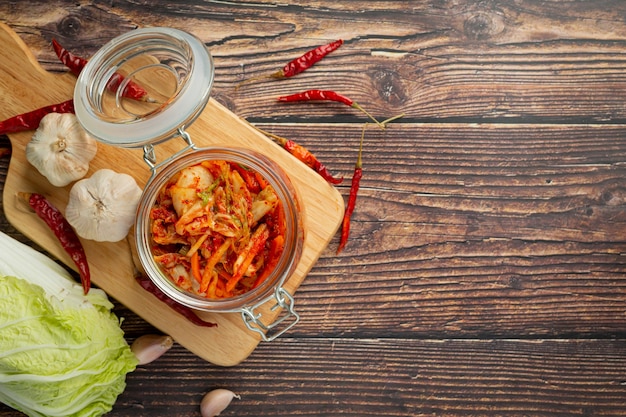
[
  {"x": 61, "y": 149},
  {"x": 102, "y": 207}
]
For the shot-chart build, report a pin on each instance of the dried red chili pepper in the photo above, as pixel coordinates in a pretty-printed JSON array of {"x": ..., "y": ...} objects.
[
  {"x": 354, "y": 189},
  {"x": 327, "y": 95},
  {"x": 64, "y": 232},
  {"x": 31, "y": 120},
  {"x": 303, "y": 155},
  {"x": 302, "y": 63},
  {"x": 311, "y": 161},
  {"x": 76, "y": 64},
  {"x": 307, "y": 60},
  {"x": 132, "y": 90},
  {"x": 147, "y": 284}
]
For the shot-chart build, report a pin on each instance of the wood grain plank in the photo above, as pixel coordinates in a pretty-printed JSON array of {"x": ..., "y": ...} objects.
[
  {"x": 485, "y": 275},
  {"x": 472, "y": 231},
  {"x": 450, "y": 61},
  {"x": 392, "y": 378},
  {"x": 496, "y": 230}
]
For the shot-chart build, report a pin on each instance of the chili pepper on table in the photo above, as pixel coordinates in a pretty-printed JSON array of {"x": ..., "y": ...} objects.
[
  {"x": 31, "y": 119},
  {"x": 327, "y": 95},
  {"x": 64, "y": 233},
  {"x": 302, "y": 63},
  {"x": 76, "y": 64},
  {"x": 307, "y": 60},
  {"x": 303, "y": 155},
  {"x": 354, "y": 189},
  {"x": 147, "y": 284}
]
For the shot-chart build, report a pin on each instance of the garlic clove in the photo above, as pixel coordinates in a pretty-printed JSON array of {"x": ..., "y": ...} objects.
[
  {"x": 61, "y": 149},
  {"x": 150, "y": 347},
  {"x": 216, "y": 401}
]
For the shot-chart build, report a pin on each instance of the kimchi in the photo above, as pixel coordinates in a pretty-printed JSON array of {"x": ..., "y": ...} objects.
[{"x": 218, "y": 229}]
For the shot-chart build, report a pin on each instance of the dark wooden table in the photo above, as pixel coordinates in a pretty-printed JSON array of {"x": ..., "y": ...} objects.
[{"x": 486, "y": 270}]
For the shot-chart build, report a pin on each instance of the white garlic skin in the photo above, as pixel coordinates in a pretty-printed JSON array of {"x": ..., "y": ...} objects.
[
  {"x": 150, "y": 347},
  {"x": 61, "y": 149},
  {"x": 216, "y": 401},
  {"x": 103, "y": 206}
]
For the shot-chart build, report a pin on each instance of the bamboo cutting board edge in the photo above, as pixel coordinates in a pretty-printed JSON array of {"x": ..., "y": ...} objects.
[{"x": 26, "y": 86}]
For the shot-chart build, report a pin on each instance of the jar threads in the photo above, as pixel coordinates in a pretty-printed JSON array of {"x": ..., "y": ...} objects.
[{"x": 174, "y": 67}]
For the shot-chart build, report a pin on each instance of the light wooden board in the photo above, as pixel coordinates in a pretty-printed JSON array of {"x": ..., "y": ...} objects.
[{"x": 25, "y": 86}]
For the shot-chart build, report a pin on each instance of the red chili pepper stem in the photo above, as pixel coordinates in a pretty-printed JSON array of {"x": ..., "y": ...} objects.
[
  {"x": 328, "y": 95},
  {"x": 392, "y": 119},
  {"x": 64, "y": 233},
  {"x": 358, "y": 107},
  {"x": 278, "y": 139},
  {"x": 354, "y": 189}
]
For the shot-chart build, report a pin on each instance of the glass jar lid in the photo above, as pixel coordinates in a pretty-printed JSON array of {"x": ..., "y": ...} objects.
[{"x": 143, "y": 87}]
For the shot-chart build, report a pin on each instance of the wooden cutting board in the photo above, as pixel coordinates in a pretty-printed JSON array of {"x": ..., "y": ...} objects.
[{"x": 25, "y": 86}]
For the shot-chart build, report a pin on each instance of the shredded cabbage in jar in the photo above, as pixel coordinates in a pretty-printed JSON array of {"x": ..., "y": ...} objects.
[{"x": 218, "y": 229}]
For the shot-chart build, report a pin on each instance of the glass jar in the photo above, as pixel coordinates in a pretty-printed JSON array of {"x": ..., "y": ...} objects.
[{"x": 146, "y": 87}]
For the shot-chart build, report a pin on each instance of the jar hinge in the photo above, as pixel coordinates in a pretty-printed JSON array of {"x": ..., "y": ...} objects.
[
  {"x": 149, "y": 155},
  {"x": 269, "y": 331}
]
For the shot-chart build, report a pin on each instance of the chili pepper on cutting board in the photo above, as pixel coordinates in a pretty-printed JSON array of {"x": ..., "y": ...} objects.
[
  {"x": 76, "y": 64},
  {"x": 64, "y": 233},
  {"x": 30, "y": 120}
]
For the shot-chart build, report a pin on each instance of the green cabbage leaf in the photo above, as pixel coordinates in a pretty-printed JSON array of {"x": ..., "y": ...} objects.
[{"x": 62, "y": 353}]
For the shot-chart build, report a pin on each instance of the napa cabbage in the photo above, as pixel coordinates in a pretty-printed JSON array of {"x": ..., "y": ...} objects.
[{"x": 62, "y": 353}]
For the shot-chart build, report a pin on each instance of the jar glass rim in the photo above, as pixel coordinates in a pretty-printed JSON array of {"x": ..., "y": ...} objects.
[
  {"x": 293, "y": 239},
  {"x": 179, "y": 112}
]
